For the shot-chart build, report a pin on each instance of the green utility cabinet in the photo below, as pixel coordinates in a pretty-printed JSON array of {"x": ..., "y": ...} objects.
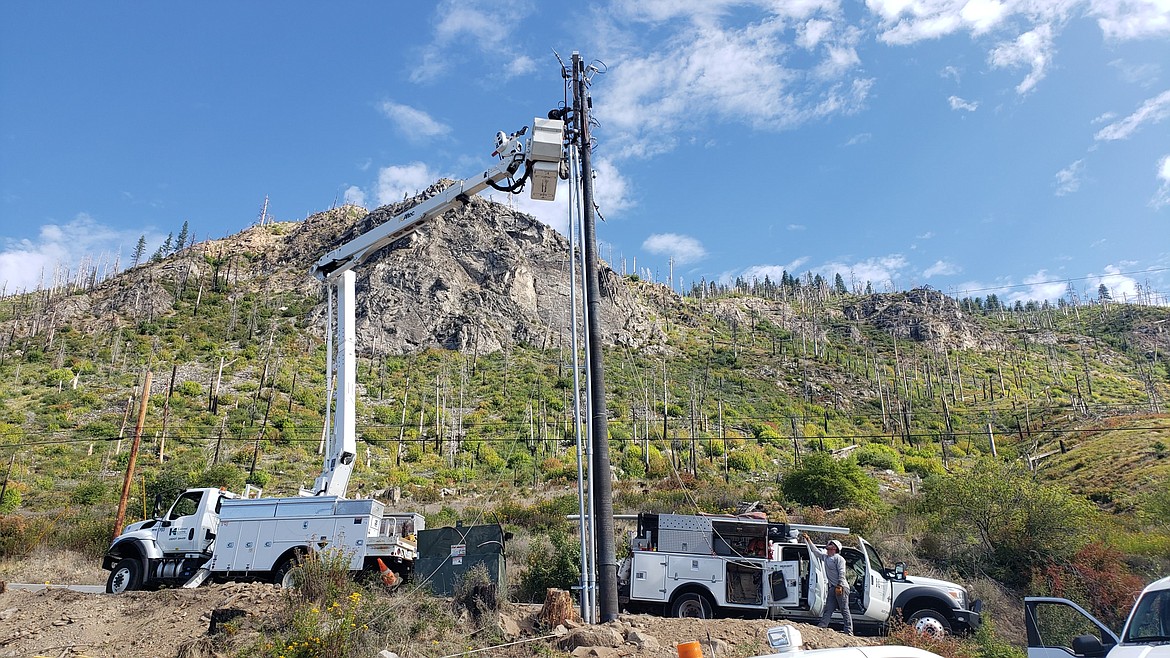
[{"x": 445, "y": 554}]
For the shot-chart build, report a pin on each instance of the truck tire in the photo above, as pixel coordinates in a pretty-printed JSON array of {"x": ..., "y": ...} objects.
[
  {"x": 691, "y": 604},
  {"x": 285, "y": 573},
  {"x": 929, "y": 621},
  {"x": 126, "y": 576}
]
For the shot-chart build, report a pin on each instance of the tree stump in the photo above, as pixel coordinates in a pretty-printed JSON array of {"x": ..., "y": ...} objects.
[{"x": 558, "y": 608}]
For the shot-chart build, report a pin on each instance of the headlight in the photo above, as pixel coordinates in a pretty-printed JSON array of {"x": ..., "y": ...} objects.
[{"x": 959, "y": 596}]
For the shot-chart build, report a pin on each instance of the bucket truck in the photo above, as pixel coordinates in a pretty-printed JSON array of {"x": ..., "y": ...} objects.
[{"x": 212, "y": 533}]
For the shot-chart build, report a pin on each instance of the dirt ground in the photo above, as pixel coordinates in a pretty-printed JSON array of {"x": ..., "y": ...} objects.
[{"x": 60, "y": 623}]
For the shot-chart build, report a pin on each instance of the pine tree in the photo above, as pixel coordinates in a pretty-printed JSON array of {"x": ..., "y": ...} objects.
[
  {"x": 168, "y": 245},
  {"x": 181, "y": 242},
  {"x": 139, "y": 250},
  {"x": 1103, "y": 293},
  {"x": 839, "y": 284}
]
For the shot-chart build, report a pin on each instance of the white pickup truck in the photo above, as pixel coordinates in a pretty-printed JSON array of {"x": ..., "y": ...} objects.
[
  {"x": 685, "y": 565},
  {"x": 1059, "y": 628}
]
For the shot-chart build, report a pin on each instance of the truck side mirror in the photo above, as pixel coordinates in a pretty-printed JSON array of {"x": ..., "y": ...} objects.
[
  {"x": 1088, "y": 645},
  {"x": 158, "y": 506},
  {"x": 899, "y": 571}
]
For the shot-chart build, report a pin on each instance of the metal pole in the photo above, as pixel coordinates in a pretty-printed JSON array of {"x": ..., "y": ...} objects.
[
  {"x": 603, "y": 486},
  {"x": 586, "y": 567},
  {"x": 120, "y": 519}
]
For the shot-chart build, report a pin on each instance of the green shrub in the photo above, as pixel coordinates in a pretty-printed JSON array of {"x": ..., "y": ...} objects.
[
  {"x": 88, "y": 492},
  {"x": 226, "y": 475},
  {"x": 998, "y": 519},
  {"x": 632, "y": 464},
  {"x": 827, "y": 482},
  {"x": 11, "y": 500},
  {"x": 555, "y": 563},
  {"x": 923, "y": 466},
  {"x": 189, "y": 388},
  {"x": 879, "y": 456}
]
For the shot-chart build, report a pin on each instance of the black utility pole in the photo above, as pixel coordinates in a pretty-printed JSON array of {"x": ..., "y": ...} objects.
[{"x": 605, "y": 552}]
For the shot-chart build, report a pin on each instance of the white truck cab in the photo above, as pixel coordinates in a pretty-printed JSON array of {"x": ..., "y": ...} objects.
[{"x": 1059, "y": 628}]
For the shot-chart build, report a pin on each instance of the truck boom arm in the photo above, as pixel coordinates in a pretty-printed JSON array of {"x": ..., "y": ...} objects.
[{"x": 540, "y": 155}]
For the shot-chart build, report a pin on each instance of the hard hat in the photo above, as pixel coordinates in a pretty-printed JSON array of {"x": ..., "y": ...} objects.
[{"x": 835, "y": 544}]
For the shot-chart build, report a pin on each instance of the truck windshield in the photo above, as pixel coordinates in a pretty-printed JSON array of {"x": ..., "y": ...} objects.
[{"x": 1150, "y": 621}]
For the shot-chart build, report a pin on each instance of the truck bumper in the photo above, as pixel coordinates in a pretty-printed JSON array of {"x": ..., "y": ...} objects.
[{"x": 969, "y": 621}]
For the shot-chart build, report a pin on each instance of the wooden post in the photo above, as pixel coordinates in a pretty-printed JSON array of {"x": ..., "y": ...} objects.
[{"x": 120, "y": 519}]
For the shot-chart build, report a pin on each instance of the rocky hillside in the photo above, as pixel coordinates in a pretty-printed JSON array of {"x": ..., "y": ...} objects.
[{"x": 476, "y": 279}]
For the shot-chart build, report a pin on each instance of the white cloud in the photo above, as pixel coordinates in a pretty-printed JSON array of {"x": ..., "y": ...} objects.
[
  {"x": 859, "y": 138},
  {"x": 952, "y": 73},
  {"x": 982, "y": 15},
  {"x": 475, "y": 26},
  {"x": 941, "y": 268},
  {"x": 709, "y": 69},
  {"x": 354, "y": 195},
  {"x": 796, "y": 227},
  {"x": 1162, "y": 196},
  {"x": 1039, "y": 286},
  {"x": 879, "y": 271},
  {"x": 774, "y": 273},
  {"x": 413, "y": 122},
  {"x": 26, "y": 264},
  {"x": 811, "y": 32},
  {"x": 1132, "y": 19},
  {"x": 1121, "y": 287},
  {"x": 1144, "y": 74},
  {"x": 1033, "y": 49},
  {"x": 1068, "y": 180},
  {"x": 925, "y": 236},
  {"x": 682, "y": 248},
  {"x": 399, "y": 181},
  {"x": 1152, "y": 111},
  {"x": 960, "y": 104}
]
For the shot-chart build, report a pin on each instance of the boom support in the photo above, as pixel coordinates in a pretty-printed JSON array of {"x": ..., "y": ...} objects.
[{"x": 540, "y": 156}]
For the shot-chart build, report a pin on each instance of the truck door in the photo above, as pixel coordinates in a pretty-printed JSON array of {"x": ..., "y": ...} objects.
[
  {"x": 818, "y": 587},
  {"x": 181, "y": 530},
  {"x": 648, "y": 576},
  {"x": 781, "y": 583},
  {"x": 876, "y": 595},
  {"x": 1052, "y": 624}
]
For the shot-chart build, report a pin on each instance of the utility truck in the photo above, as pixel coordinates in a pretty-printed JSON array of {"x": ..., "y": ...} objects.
[
  {"x": 211, "y": 533},
  {"x": 686, "y": 565},
  {"x": 1059, "y": 628}
]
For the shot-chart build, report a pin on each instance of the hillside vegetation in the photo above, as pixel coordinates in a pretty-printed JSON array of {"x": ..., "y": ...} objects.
[{"x": 885, "y": 402}]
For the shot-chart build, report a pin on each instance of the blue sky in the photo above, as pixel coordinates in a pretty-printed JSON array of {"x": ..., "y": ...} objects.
[{"x": 982, "y": 146}]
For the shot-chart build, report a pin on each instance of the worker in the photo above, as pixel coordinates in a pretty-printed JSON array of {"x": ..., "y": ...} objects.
[{"x": 838, "y": 583}]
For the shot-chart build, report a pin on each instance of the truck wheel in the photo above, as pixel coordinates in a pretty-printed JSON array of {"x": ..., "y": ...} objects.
[
  {"x": 286, "y": 574},
  {"x": 691, "y": 604},
  {"x": 126, "y": 576},
  {"x": 930, "y": 622}
]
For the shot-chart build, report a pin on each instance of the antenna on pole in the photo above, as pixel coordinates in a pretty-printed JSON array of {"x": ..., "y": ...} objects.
[{"x": 602, "y": 492}]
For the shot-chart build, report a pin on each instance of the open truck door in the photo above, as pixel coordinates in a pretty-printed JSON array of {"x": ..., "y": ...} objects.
[
  {"x": 1059, "y": 628},
  {"x": 818, "y": 587},
  {"x": 876, "y": 593}
]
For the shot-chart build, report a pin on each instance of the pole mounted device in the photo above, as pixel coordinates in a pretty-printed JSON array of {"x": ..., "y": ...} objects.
[{"x": 523, "y": 159}]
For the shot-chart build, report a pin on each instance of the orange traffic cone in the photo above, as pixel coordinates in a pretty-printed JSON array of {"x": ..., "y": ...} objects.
[{"x": 389, "y": 578}]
